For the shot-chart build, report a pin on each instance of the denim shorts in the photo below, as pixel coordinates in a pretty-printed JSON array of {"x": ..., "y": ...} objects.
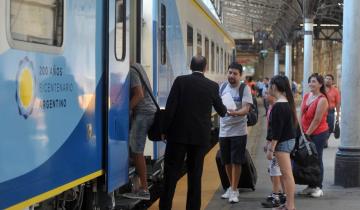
[
  {"x": 285, "y": 146},
  {"x": 140, "y": 126}
]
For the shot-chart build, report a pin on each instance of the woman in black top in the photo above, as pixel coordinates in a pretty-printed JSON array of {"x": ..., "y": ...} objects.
[{"x": 282, "y": 122}]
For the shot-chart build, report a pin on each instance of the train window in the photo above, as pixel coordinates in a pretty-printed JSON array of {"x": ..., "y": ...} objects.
[
  {"x": 190, "y": 43},
  {"x": 163, "y": 34},
  {"x": 217, "y": 59},
  {"x": 207, "y": 49},
  {"x": 212, "y": 57},
  {"x": 226, "y": 63},
  {"x": 120, "y": 28},
  {"x": 38, "y": 23},
  {"x": 199, "y": 44},
  {"x": 221, "y": 60},
  {"x": 228, "y": 59}
]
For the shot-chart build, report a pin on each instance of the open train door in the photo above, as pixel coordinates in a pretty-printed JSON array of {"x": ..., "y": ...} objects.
[
  {"x": 162, "y": 67},
  {"x": 117, "y": 60}
]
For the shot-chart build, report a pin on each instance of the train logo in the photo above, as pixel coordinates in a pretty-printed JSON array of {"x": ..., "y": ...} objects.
[{"x": 25, "y": 87}]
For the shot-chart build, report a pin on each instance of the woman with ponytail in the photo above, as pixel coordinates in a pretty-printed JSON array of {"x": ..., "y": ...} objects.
[
  {"x": 283, "y": 122},
  {"x": 314, "y": 109}
]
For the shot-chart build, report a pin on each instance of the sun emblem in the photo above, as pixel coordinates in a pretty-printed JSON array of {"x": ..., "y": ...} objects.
[{"x": 25, "y": 87}]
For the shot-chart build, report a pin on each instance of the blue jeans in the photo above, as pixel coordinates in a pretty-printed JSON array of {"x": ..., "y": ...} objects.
[
  {"x": 319, "y": 140},
  {"x": 331, "y": 120}
]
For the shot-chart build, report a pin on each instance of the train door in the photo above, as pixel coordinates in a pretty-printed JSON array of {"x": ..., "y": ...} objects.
[
  {"x": 165, "y": 74},
  {"x": 117, "y": 72}
]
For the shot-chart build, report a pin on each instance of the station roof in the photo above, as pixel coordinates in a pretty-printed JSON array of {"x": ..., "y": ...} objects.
[{"x": 277, "y": 20}]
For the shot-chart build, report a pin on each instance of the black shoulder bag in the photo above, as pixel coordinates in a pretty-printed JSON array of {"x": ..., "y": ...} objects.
[
  {"x": 156, "y": 129},
  {"x": 306, "y": 165},
  {"x": 337, "y": 130}
]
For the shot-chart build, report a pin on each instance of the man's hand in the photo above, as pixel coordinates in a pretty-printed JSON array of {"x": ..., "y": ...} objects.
[
  {"x": 163, "y": 138},
  {"x": 232, "y": 113}
]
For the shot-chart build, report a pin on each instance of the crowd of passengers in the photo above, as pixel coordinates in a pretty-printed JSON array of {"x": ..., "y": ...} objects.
[{"x": 187, "y": 129}]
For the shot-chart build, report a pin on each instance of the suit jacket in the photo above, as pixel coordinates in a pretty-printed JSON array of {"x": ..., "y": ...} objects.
[{"x": 189, "y": 108}]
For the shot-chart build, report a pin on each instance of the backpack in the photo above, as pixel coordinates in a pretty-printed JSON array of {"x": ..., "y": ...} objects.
[{"x": 252, "y": 115}]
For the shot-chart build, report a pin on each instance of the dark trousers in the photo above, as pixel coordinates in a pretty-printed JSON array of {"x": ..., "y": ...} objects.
[
  {"x": 174, "y": 158},
  {"x": 319, "y": 140},
  {"x": 331, "y": 120},
  {"x": 266, "y": 105}
]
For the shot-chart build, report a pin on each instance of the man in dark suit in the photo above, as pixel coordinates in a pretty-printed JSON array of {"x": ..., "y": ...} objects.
[{"x": 188, "y": 131}]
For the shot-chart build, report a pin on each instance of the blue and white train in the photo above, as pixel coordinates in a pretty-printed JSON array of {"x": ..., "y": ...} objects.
[{"x": 64, "y": 86}]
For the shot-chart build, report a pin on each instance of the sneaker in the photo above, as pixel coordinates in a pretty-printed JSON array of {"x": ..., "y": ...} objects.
[
  {"x": 226, "y": 195},
  {"x": 317, "y": 193},
  {"x": 141, "y": 195},
  {"x": 234, "y": 196},
  {"x": 306, "y": 191},
  {"x": 271, "y": 202},
  {"x": 282, "y": 198}
]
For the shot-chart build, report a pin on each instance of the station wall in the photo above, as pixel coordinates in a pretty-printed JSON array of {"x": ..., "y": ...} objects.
[{"x": 327, "y": 59}]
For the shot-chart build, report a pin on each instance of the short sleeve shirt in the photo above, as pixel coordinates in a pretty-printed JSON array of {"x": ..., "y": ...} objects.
[
  {"x": 235, "y": 126},
  {"x": 145, "y": 106},
  {"x": 333, "y": 97}
]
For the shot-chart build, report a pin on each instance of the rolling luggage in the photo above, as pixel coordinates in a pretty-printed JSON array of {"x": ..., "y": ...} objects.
[{"x": 248, "y": 175}]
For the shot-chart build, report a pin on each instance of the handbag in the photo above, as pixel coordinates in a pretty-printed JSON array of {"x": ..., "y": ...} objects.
[
  {"x": 337, "y": 130},
  {"x": 156, "y": 129},
  {"x": 305, "y": 164},
  {"x": 306, "y": 175},
  {"x": 304, "y": 151}
]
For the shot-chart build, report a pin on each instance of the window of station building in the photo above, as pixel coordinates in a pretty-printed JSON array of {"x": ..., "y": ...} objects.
[
  {"x": 38, "y": 23},
  {"x": 199, "y": 44},
  {"x": 120, "y": 28},
  {"x": 163, "y": 35},
  {"x": 207, "y": 46},
  {"x": 217, "y": 59},
  {"x": 190, "y": 43},
  {"x": 212, "y": 57}
]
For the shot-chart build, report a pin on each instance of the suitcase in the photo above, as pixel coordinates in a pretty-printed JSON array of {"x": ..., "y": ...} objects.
[{"x": 248, "y": 177}]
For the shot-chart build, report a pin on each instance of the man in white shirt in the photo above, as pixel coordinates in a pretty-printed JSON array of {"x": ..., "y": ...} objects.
[{"x": 233, "y": 130}]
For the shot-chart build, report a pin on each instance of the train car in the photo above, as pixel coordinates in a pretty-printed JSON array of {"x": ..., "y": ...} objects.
[{"x": 64, "y": 89}]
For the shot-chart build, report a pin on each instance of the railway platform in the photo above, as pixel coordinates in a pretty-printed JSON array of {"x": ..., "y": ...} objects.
[{"x": 335, "y": 197}]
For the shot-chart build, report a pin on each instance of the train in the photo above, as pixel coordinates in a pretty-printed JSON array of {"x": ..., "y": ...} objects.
[{"x": 64, "y": 89}]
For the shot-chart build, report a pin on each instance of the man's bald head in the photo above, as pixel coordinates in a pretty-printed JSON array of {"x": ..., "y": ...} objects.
[{"x": 198, "y": 63}]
